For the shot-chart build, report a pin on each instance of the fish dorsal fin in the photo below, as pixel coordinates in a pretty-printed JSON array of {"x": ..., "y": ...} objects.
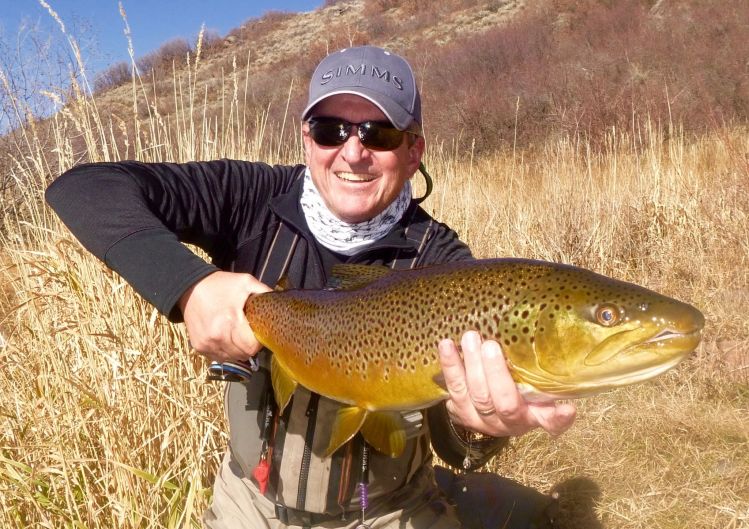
[
  {"x": 283, "y": 384},
  {"x": 284, "y": 284},
  {"x": 348, "y": 421},
  {"x": 353, "y": 276},
  {"x": 385, "y": 432}
]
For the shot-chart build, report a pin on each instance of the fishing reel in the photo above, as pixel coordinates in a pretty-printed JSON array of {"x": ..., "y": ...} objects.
[{"x": 232, "y": 371}]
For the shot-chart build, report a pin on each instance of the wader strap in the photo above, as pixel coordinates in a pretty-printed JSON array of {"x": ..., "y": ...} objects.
[
  {"x": 274, "y": 268},
  {"x": 281, "y": 250},
  {"x": 406, "y": 264}
]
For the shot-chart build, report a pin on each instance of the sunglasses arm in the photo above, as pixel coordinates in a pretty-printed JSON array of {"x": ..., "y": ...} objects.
[{"x": 428, "y": 180}]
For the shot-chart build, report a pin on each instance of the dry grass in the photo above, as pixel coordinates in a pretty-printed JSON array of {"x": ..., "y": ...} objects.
[
  {"x": 671, "y": 215},
  {"x": 105, "y": 418}
]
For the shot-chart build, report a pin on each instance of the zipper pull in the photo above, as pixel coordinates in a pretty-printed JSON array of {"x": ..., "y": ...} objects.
[{"x": 261, "y": 472}]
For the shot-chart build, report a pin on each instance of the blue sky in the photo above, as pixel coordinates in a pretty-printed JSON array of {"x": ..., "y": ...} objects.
[{"x": 152, "y": 22}]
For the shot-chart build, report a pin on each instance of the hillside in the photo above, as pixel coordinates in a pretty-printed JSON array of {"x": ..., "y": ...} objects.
[
  {"x": 273, "y": 56},
  {"x": 493, "y": 72}
]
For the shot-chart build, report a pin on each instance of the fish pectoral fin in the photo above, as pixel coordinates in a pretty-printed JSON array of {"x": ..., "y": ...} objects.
[
  {"x": 385, "y": 432},
  {"x": 352, "y": 276},
  {"x": 348, "y": 421},
  {"x": 283, "y": 384},
  {"x": 439, "y": 379}
]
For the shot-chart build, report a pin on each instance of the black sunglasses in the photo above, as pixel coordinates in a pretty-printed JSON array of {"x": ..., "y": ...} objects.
[{"x": 374, "y": 135}]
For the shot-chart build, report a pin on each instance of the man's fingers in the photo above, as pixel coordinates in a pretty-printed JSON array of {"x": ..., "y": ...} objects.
[
  {"x": 554, "y": 418},
  {"x": 505, "y": 397},
  {"x": 244, "y": 339},
  {"x": 452, "y": 369},
  {"x": 213, "y": 310},
  {"x": 476, "y": 377}
]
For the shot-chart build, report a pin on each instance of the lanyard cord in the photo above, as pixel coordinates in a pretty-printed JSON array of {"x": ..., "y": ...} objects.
[{"x": 364, "y": 484}]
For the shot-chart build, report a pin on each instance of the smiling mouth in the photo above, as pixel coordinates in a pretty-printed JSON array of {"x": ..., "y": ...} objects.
[{"x": 355, "y": 177}]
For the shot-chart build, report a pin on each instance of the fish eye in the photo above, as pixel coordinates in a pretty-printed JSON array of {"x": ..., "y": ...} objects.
[{"x": 607, "y": 315}]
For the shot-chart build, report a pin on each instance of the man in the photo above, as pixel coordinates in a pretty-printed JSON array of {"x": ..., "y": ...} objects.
[{"x": 351, "y": 202}]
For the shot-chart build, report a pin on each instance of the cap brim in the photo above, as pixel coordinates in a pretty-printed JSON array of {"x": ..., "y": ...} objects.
[{"x": 392, "y": 110}]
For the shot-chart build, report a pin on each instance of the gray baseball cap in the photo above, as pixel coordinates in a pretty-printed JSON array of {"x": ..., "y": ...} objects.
[{"x": 373, "y": 73}]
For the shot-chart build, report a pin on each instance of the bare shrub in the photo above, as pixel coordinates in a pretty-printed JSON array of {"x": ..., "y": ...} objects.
[
  {"x": 417, "y": 8},
  {"x": 211, "y": 41},
  {"x": 116, "y": 75},
  {"x": 161, "y": 60},
  {"x": 256, "y": 28},
  {"x": 493, "y": 80},
  {"x": 584, "y": 67}
]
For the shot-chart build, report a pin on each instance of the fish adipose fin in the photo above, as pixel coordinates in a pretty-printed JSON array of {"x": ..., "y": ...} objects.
[
  {"x": 385, "y": 432},
  {"x": 283, "y": 384},
  {"x": 353, "y": 276},
  {"x": 348, "y": 421}
]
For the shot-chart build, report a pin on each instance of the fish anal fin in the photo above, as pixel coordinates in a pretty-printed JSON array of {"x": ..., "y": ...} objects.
[
  {"x": 283, "y": 384},
  {"x": 385, "y": 432},
  {"x": 352, "y": 276},
  {"x": 348, "y": 421}
]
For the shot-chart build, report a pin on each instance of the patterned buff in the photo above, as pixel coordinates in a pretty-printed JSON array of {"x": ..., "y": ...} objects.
[{"x": 343, "y": 237}]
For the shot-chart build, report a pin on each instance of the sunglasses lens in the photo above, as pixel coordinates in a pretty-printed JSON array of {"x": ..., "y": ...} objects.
[
  {"x": 328, "y": 133},
  {"x": 380, "y": 136},
  {"x": 375, "y": 135}
]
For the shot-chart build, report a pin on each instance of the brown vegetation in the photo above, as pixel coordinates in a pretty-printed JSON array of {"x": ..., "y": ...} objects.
[
  {"x": 556, "y": 67},
  {"x": 587, "y": 67}
]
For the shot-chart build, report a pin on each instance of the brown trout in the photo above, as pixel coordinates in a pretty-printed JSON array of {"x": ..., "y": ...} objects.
[{"x": 370, "y": 342}]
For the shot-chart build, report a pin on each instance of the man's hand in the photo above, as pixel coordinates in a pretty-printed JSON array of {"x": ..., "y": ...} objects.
[
  {"x": 484, "y": 398},
  {"x": 213, "y": 309}
]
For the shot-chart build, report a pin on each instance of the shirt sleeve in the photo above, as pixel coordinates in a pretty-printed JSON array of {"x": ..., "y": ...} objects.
[{"x": 135, "y": 216}]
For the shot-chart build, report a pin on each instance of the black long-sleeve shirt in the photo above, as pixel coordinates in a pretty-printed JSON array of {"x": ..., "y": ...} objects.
[{"x": 135, "y": 216}]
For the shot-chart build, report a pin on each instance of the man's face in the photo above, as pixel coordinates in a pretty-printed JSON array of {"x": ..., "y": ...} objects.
[{"x": 357, "y": 183}]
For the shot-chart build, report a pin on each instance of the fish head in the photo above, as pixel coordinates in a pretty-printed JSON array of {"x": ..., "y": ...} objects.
[{"x": 590, "y": 333}]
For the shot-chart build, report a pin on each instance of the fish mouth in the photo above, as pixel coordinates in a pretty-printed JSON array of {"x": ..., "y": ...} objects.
[
  {"x": 663, "y": 335},
  {"x": 670, "y": 340},
  {"x": 658, "y": 353},
  {"x": 641, "y": 340},
  {"x": 539, "y": 388}
]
